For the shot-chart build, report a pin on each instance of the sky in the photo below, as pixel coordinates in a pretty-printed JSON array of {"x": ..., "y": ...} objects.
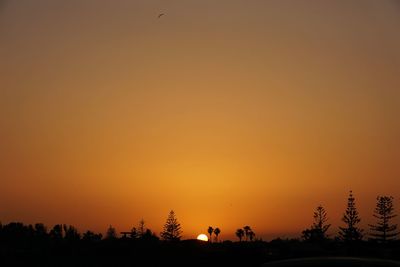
[{"x": 229, "y": 112}]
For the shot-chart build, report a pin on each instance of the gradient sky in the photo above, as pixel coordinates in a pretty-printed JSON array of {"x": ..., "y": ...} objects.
[{"x": 230, "y": 112}]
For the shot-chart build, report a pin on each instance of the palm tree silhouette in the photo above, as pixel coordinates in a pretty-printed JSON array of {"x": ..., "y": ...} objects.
[
  {"x": 251, "y": 235},
  {"x": 240, "y": 234},
  {"x": 210, "y": 231},
  {"x": 217, "y": 231},
  {"x": 247, "y": 230}
]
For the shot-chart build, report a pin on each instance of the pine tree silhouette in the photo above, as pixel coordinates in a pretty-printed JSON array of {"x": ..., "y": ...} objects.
[
  {"x": 172, "y": 229},
  {"x": 351, "y": 218},
  {"x": 318, "y": 230},
  {"x": 383, "y": 230}
]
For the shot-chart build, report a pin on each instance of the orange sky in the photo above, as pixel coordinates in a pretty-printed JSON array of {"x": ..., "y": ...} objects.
[{"x": 229, "y": 112}]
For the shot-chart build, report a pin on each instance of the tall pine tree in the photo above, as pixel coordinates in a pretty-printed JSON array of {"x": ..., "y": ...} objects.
[
  {"x": 350, "y": 232},
  {"x": 384, "y": 230},
  {"x": 317, "y": 232},
  {"x": 172, "y": 229}
]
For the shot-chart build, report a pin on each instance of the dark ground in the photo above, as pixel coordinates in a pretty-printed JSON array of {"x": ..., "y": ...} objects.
[{"x": 129, "y": 252}]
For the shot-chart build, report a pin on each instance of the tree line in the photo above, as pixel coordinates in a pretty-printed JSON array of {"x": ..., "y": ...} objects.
[
  {"x": 383, "y": 231},
  {"x": 62, "y": 232}
]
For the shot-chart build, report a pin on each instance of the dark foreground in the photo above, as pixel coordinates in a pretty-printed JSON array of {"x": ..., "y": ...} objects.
[
  {"x": 333, "y": 262},
  {"x": 128, "y": 252}
]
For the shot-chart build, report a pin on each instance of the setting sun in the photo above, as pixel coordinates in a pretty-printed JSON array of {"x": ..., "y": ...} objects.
[{"x": 202, "y": 237}]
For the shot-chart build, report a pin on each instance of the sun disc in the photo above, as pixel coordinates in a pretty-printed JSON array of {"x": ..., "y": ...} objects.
[{"x": 202, "y": 237}]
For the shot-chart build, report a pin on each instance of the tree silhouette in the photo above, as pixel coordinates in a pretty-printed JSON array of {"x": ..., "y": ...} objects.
[
  {"x": 71, "y": 233},
  {"x": 247, "y": 230},
  {"x": 351, "y": 218},
  {"x": 318, "y": 230},
  {"x": 149, "y": 236},
  {"x": 57, "y": 232},
  {"x": 91, "y": 237},
  {"x": 240, "y": 233},
  {"x": 14, "y": 231},
  {"x": 217, "y": 231},
  {"x": 141, "y": 228},
  {"x": 134, "y": 233},
  {"x": 111, "y": 233},
  {"x": 40, "y": 231},
  {"x": 172, "y": 229},
  {"x": 251, "y": 235},
  {"x": 210, "y": 231},
  {"x": 383, "y": 230}
]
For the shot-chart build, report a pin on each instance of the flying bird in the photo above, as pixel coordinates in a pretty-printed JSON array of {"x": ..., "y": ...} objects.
[{"x": 160, "y": 15}]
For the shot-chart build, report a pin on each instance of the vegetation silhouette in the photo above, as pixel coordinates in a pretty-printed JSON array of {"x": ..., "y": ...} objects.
[
  {"x": 384, "y": 230},
  {"x": 134, "y": 233},
  {"x": 350, "y": 232},
  {"x": 251, "y": 235},
  {"x": 172, "y": 229},
  {"x": 210, "y": 231},
  {"x": 57, "y": 232},
  {"x": 111, "y": 233},
  {"x": 141, "y": 228},
  {"x": 71, "y": 233},
  {"x": 247, "y": 230},
  {"x": 240, "y": 233},
  {"x": 90, "y": 236},
  {"x": 217, "y": 231},
  {"x": 63, "y": 245},
  {"x": 317, "y": 232}
]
